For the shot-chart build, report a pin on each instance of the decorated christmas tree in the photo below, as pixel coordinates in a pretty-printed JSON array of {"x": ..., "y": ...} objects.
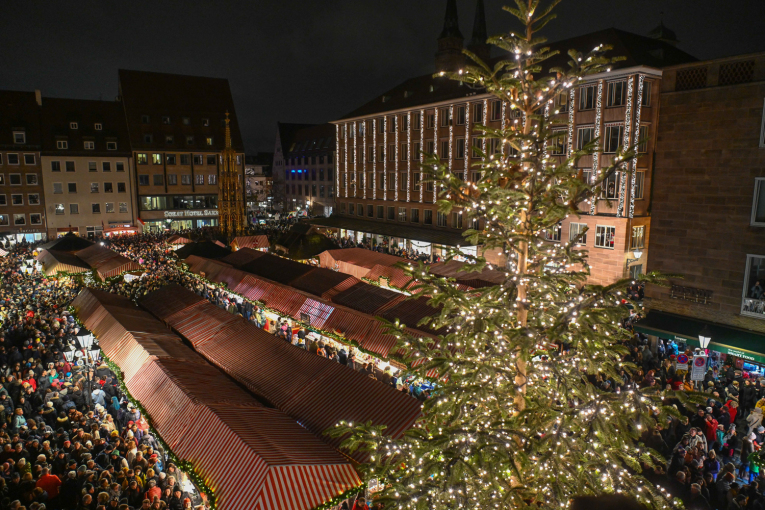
[{"x": 512, "y": 421}]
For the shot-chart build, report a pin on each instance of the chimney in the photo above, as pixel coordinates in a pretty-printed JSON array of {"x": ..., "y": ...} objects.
[{"x": 38, "y": 97}]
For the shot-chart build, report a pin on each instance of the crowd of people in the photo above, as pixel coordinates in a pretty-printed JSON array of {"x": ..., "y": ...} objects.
[{"x": 70, "y": 439}]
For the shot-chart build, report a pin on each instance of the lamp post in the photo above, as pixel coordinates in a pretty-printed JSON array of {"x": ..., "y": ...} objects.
[
  {"x": 705, "y": 337},
  {"x": 69, "y": 351},
  {"x": 85, "y": 338},
  {"x": 637, "y": 254},
  {"x": 94, "y": 351}
]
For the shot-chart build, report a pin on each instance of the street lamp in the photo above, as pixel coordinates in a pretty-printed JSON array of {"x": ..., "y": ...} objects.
[
  {"x": 705, "y": 336},
  {"x": 637, "y": 254},
  {"x": 94, "y": 351},
  {"x": 69, "y": 352},
  {"x": 85, "y": 338}
]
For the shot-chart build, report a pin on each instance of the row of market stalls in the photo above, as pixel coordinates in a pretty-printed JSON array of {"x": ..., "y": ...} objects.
[
  {"x": 382, "y": 269},
  {"x": 74, "y": 255},
  {"x": 250, "y": 455},
  {"x": 333, "y": 305},
  {"x": 315, "y": 391},
  {"x": 257, "y": 242}
]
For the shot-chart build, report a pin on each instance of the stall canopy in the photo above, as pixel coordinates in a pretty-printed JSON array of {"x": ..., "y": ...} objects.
[
  {"x": 252, "y": 456},
  {"x": 207, "y": 249},
  {"x": 178, "y": 239},
  {"x": 242, "y": 256},
  {"x": 473, "y": 279},
  {"x": 258, "y": 242},
  {"x": 356, "y": 261},
  {"x": 315, "y": 391},
  {"x": 54, "y": 262},
  {"x": 725, "y": 339},
  {"x": 106, "y": 262}
]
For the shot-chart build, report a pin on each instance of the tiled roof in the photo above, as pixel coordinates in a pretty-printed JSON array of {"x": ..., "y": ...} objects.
[
  {"x": 176, "y": 96},
  {"x": 206, "y": 249},
  {"x": 19, "y": 111},
  {"x": 312, "y": 140},
  {"x": 58, "y": 115},
  {"x": 276, "y": 268},
  {"x": 432, "y": 235},
  {"x": 421, "y": 90},
  {"x": 367, "y": 298}
]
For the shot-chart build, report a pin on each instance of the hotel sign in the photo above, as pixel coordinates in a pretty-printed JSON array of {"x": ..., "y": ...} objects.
[{"x": 187, "y": 214}]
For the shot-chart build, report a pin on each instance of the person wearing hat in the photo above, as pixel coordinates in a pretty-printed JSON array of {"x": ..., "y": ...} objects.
[{"x": 754, "y": 419}]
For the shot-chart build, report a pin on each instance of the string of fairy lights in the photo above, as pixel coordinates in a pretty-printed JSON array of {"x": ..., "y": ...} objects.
[
  {"x": 625, "y": 143},
  {"x": 472, "y": 449}
]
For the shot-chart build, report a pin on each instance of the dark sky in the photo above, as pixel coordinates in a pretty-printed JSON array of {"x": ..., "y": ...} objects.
[{"x": 304, "y": 60}]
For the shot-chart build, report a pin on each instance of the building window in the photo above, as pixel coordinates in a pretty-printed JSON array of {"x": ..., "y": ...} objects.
[
  {"x": 211, "y": 159},
  {"x": 416, "y": 121},
  {"x": 95, "y": 208},
  {"x": 391, "y": 181},
  {"x": 111, "y": 146},
  {"x": 186, "y": 121},
  {"x": 4, "y": 220},
  {"x": 158, "y": 179},
  {"x": 494, "y": 146},
  {"x": 62, "y": 144},
  {"x": 391, "y": 213},
  {"x": 94, "y": 187},
  {"x": 444, "y": 149},
  {"x": 71, "y": 187},
  {"x": 89, "y": 145},
  {"x": 352, "y": 209},
  {"x": 553, "y": 233},
  {"x": 643, "y": 140},
  {"x": 109, "y": 207},
  {"x": 58, "y": 188},
  {"x": 148, "y": 138},
  {"x": 587, "y": 95},
  {"x": 477, "y": 147},
  {"x": 430, "y": 120},
  {"x": 13, "y": 159},
  {"x": 561, "y": 102},
  {"x": 15, "y": 179},
  {"x": 577, "y": 234},
  {"x": 17, "y": 199},
  {"x": 32, "y": 180},
  {"x": 402, "y": 214},
  {"x": 170, "y": 159},
  {"x": 199, "y": 179},
  {"x": 403, "y": 122},
  {"x": 460, "y": 149},
  {"x": 189, "y": 140},
  {"x": 120, "y": 167},
  {"x": 33, "y": 199},
  {"x": 121, "y": 187},
  {"x": 478, "y": 113},
  {"x": 456, "y": 220},
  {"x": 611, "y": 186},
  {"x": 156, "y": 159},
  {"x": 212, "y": 179},
  {"x": 69, "y": 166},
  {"x": 416, "y": 181},
  {"x": 404, "y": 152},
  {"x": 108, "y": 187},
  {"x": 123, "y": 207},
  {"x": 758, "y": 207},
  {"x": 144, "y": 119},
  {"x": 165, "y": 119},
  {"x": 97, "y": 126},
  {"x": 636, "y": 271},
  {"x": 380, "y": 212},
  {"x": 558, "y": 142},
  {"x": 496, "y": 110},
  {"x": 604, "y": 236},
  {"x": 639, "y": 183},
  {"x": 370, "y": 210},
  {"x": 427, "y": 217},
  {"x": 209, "y": 140},
  {"x": 106, "y": 166},
  {"x": 646, "y": 101},
  {"x": 172, "y": 179},
  {"x": 19, "y": 137},
  {"x": 616, "y": 93},
  {"x": 440, "y": 219},
  {"x": 613, "y": 138},
  {"x": 414, "y": 216},
  {"x": 143, "y": 180},
  {"x": 29, "y": 159},
  {"x": 74, "y": 208},
  {"x": 638, "y": 237},
  {"x": 142, "y": 159},
  {"x": 186, "y": 179},
  {"x": 753, "y": 303},
  {"x": 92, "y": 166},
  {"x": 460, "y": 117}
]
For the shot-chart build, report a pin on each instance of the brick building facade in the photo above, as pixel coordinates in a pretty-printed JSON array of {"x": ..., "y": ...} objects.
[
  {"x": 379, "y": 190},
  {"x": 708, "y": 207}
]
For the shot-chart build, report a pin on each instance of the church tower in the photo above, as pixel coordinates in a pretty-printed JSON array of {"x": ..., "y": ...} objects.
[
  {"x": 478, "y": 43},
  {"x": 449, "y": 56},
  {"x": 230, "y": 197}
]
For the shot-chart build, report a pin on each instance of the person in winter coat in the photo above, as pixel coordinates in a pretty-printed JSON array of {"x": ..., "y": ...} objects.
[
  {"x": 732, "y": 407},
  {"x": 99, "y": 396},
  {"x": 748, "y": 397},
  {"x": 711, "y": 464},
  {"x": 710, "y": 427},
  {"x": 754, "y": 420}
]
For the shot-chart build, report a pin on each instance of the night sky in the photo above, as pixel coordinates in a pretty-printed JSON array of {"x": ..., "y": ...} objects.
[{"x": 305, "y": 61}]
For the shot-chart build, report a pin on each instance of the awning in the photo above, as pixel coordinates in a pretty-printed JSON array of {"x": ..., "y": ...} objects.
[
  {"x": 442, "y": 236},
  {"x": 725, "y": 339},
  {"x": 254, "y": 242}
]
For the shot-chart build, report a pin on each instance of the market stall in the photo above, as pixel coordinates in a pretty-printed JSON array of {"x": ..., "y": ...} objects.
[
  {"x": 106, "y": 262},
  {"x": 259, "y": 242}
]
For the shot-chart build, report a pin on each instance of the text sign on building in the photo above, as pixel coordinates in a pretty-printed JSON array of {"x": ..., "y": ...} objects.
[
  {"x": 699, "y": 368},
  {"x": 185, "y": 214}
]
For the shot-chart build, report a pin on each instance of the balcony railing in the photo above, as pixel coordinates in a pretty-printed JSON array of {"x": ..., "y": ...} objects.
[{"x": 753, "y": 308}]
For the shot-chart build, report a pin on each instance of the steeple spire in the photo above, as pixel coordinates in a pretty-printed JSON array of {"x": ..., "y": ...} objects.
[
  {"x": 449, "y": 55},
  {"x": 451, "y": 21},
  {"x": 478, "y": 43},
  {"x": 228, "y": 132}
]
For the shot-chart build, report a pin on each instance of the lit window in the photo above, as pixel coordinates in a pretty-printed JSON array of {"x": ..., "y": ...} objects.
[
  {"x": 577, "y": 234},
  {"x": 604, "y": 236},
  {"x": 638, "y": 237}
]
